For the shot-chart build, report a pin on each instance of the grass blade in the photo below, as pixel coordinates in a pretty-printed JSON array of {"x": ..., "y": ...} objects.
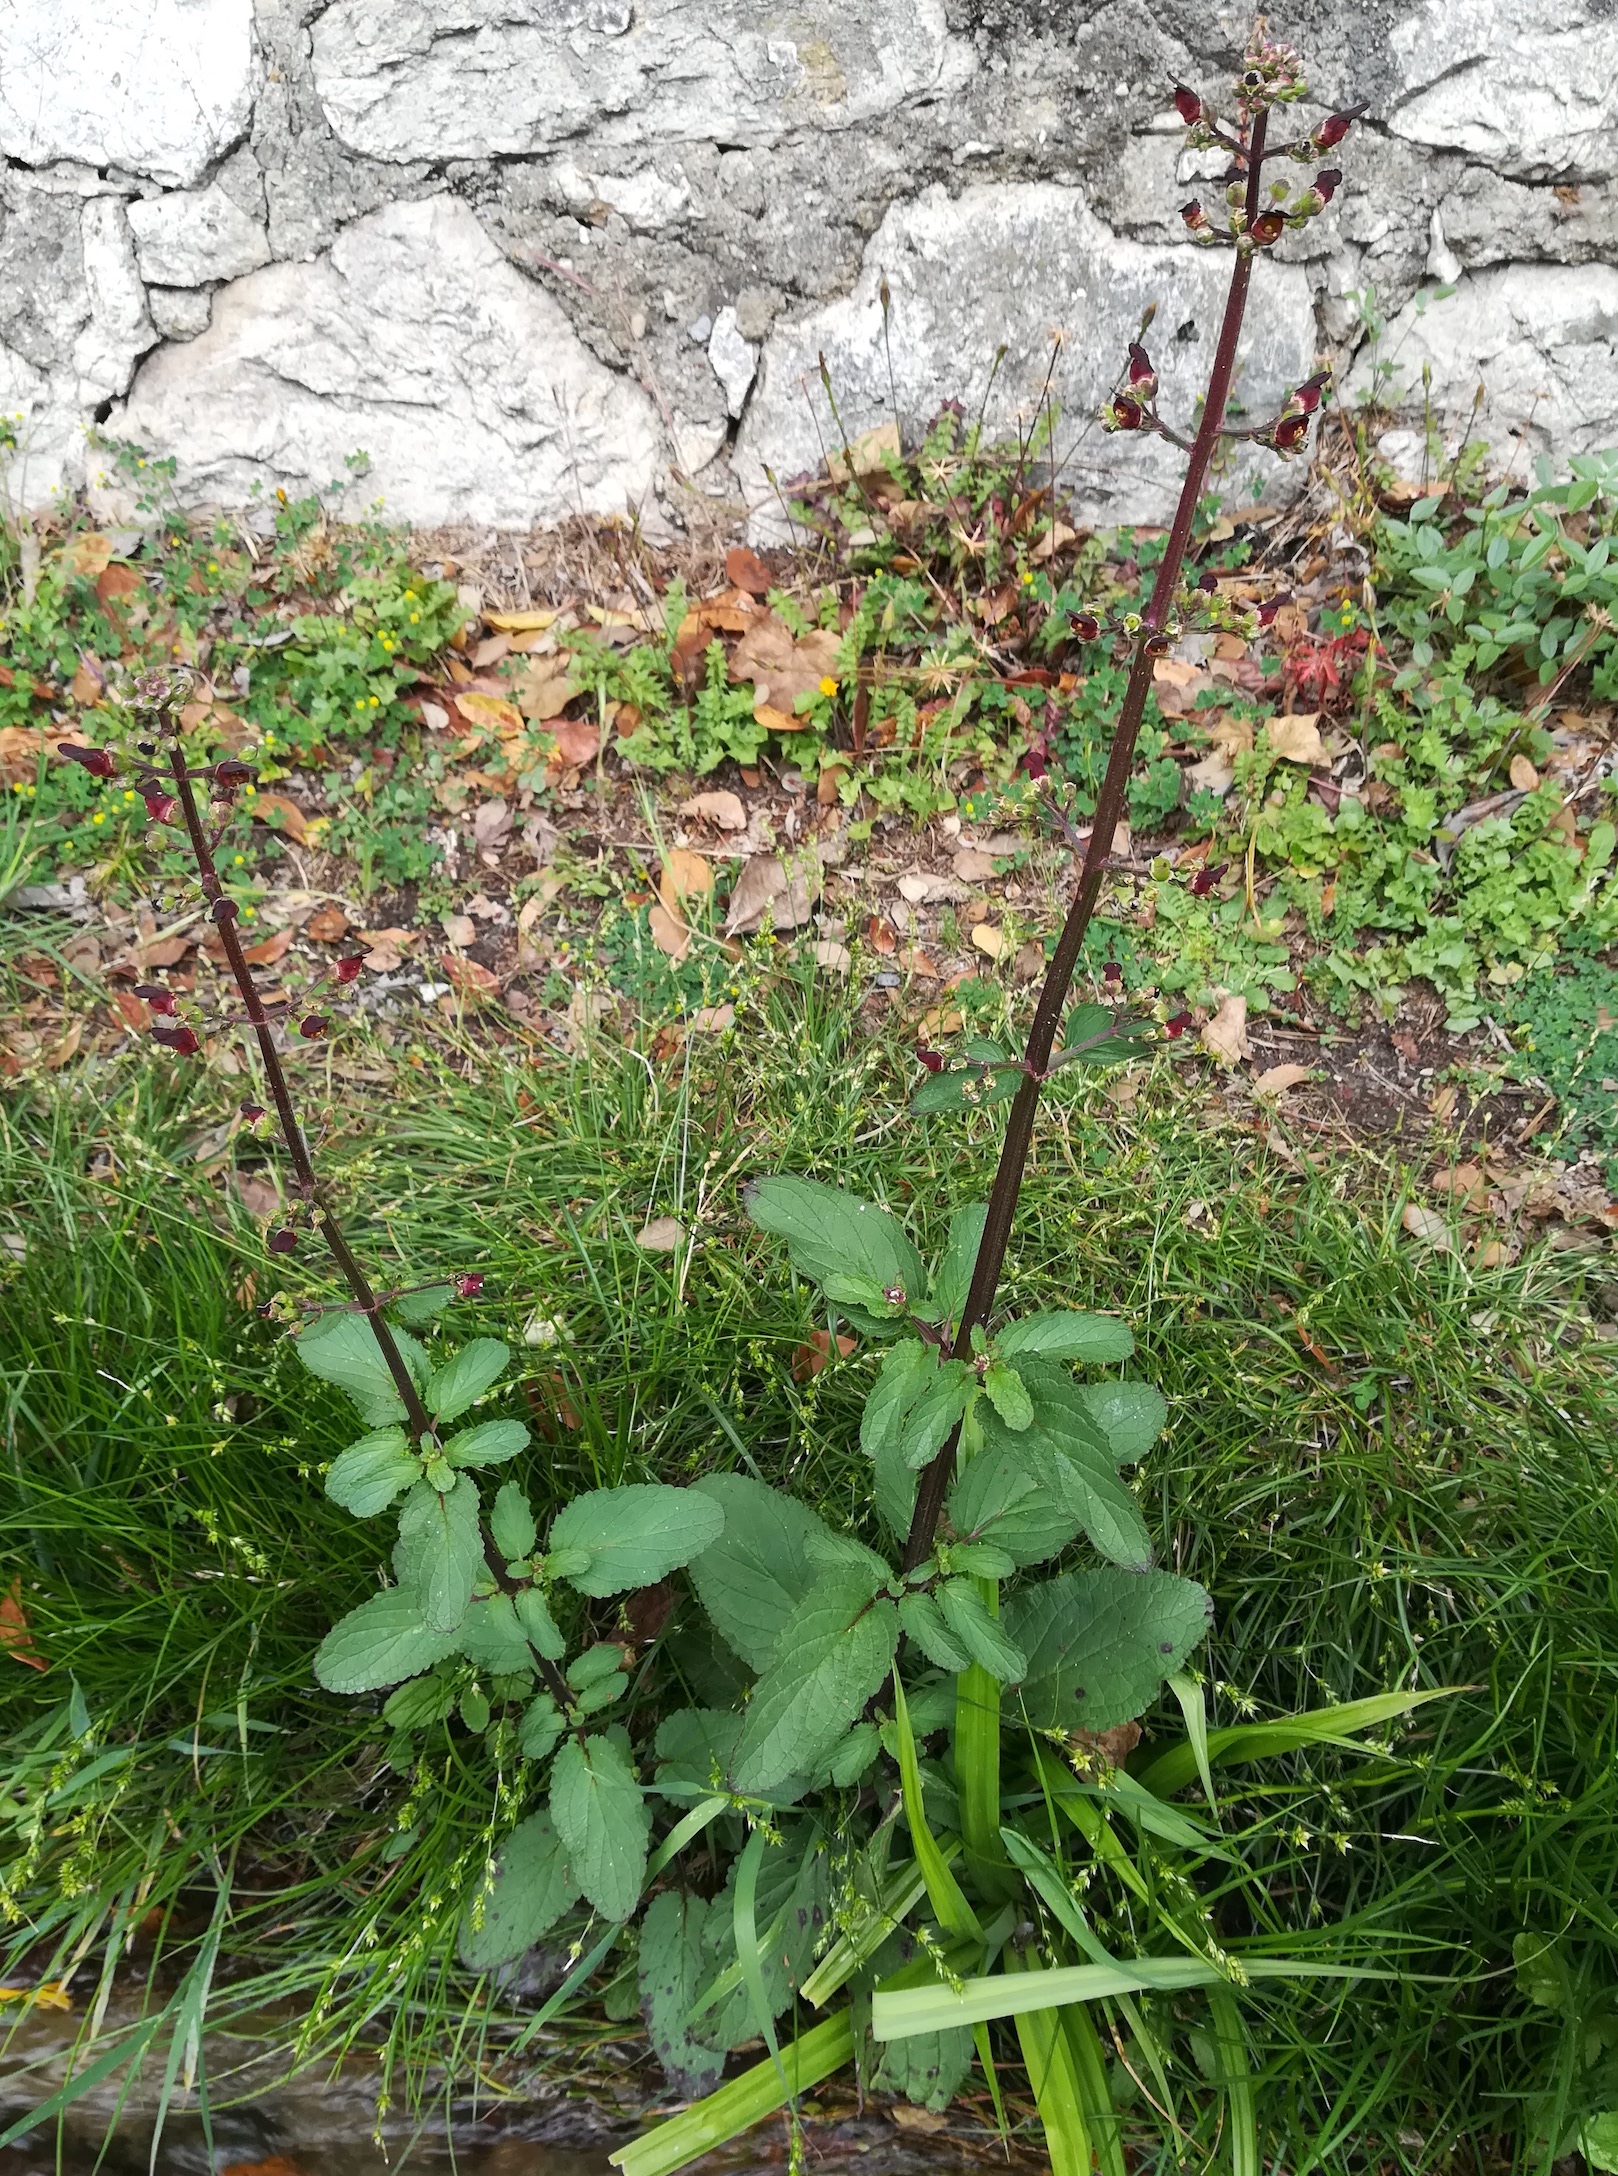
[
  {"x": 1241, "y": 2115},
  {"x": 1174, "y": 1769},
  {"x": 1194, "y": 1707},
  {"x": 746, "y": 2100},
  {"x": 1049, "y": 2058},
  {"x": 950, "y": 1907},
  {"x": 896, "y": 1900}
]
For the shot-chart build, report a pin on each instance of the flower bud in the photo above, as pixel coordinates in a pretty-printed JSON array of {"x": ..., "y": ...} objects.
[
  {"x": 1157, "y": 645},
  {"x": 1123, "y": 414},
  {"x": 1208, "y": 583},
  {"x": 181, "y": 1039},
  {"x": 161, "y": 807},
  {"x": 1112, "y": 972},
  {"x": 224, "y": 910},
  {"x": 97, "y": 761},
  {"x": 933, "y": 1060},
  {"x": 1086, "y": 627},
  {"x": 1335, "y": 127},
  {"x": 1196, "y": 218},
  {"x": 1327, "y": 183},
  {"x": 469, "y": 1286},
  {"x": 1034, "y": 765},
  {"x": 1188, "y": 106},
  {"x": 283, "y": 1241},
  {"x": 1142, "y": 377},
  {"x": 1176, "y": 1025},
  {"x": 1307, "y": 395},
  {"x": 313, "y": 1025},
  {"x": 348, "y": 967},
  {"x": 1268, "y": 227},
  {"x": 155, "y": 995}
]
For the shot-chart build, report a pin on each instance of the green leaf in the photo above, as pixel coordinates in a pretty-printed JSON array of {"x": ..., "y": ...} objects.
[
  {"x": 1063, "y": 1336},
  {"x": 927, "y": 1425},
  {"x": 1008, "y": 1395},
  {"x": 952, "y": 1278},
  {"x": 906, "y": 1370},
  {"x": 671, "y": 1978},
  {"x": 833, "y": 1233},
  {"x": 491, "y": 1443},
  {"x": 379, "y": 1643},
  {"x": 1131, "y": 1416},
  {"x": 928, "y": 2069},
  {"x": 605, "y": 1659},
  {"x": 1066, "y": 1455},
  {"x": 602, "y": 1818},
  {"x": 530, "y": 1890},
  {"x": 921, "y": 1620},
  {"x": 982, "y": 1559},
  {"x": 853, "y": 1755},
  {"x": 980, "y": 1633},
  {"x": 534, "y": 1615},
  {"x": 511, "y": 1523},
  {"x": 342, "y": 1349},
  {"x": 1598, "y": 2139},
  {"x": 894, "y": 1489},
  {"x": 752, "y": 1578},
  {"x": 999, "y": 1501},
  {"x": 475, "y": 1710},
  {"x": 830, "y": 1553},
  {"x": 414, "y": 1307},
  {"x": 635, "y": 1534},
  {"x": 492, "y": 1639},
  {"x": 422, "y": 1701},
  {"x": 445, "y": 1547},
  {"x": 466, "y": 1375},
  {"x": 1100, "y": 1643},
  {"x": 834, "y": 1651},
  {"x": 862, "y": 1292},
  {"x": 370, "y": 1474},
  {"x": 540, "y": 1728}
]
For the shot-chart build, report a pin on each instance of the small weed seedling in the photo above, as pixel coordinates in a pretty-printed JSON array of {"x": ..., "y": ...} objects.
[{"x": 945, "y": 1681}]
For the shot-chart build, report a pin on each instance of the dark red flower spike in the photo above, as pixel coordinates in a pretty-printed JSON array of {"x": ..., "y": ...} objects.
[
  {"x": 179, "y": 1038},
  {"x": 160, "y": 999},
  {"x": 1205, "y": 880},
  {"x": 98, "y": 762}
]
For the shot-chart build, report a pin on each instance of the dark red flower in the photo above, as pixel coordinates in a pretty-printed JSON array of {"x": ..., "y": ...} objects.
[
  {"x": 160, "y": 999},
  {"x": 1157, "y": 645},
  {"x": 1327, "y": 183},
  {"x": 933, "y": 1060},
  {"x": 1127, "y": 414},
  {"x": 1307, "y": 396},
  {"x": 1290, "y": 432},
  {"x": 283, "y": 1241},
  {"x": 1208, "y": 583},
  {"x": 313, "y": 1025},
  {"x": 252, "y": 1112},
  {"x": 1188, "y": 106},
  {"x": 97, "y": 761},
  {"x": 224, "y": 910},
  {"x": 179, "y": 1038},
  {"x": 1176, "y": 1025},
  {"x": 1335, "y": 127},
  {"x": 1195, "y": 217},
  {"x": 349, "y": 966},
  {"x": 1142, "y": 377},
  {"x": 1268, "y": 227},
  {"x": 1034, "y": 764},
  {"x": 231, "y": 774},
  {"x": 1270, "y": 607},
  {"x": 160, "y": 807},
  {"x": 1205, "y": 879},
  {"x": 1112, "y": 972},
  {"x": 469, "y": 1286},
  {"x": 1086, "y": 627}
]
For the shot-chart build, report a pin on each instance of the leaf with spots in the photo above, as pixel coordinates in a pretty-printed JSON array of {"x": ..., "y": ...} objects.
[{"x": 1100, "y": 1643}]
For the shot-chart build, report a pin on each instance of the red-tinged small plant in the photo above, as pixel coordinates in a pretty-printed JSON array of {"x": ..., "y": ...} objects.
[{"x": 917, "y": 1669}]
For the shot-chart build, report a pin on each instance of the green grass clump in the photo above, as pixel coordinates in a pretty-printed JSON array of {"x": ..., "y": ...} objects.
[{"x": 1391, "y": 1469}]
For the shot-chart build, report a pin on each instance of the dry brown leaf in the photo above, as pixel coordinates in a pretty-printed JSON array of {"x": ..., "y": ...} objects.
[
  {"x": 489, "y": 713},
  {"x": 258, "y": 1195},
  {"x": 327, "y": 925},
  {"x": 1427, "y": 1226},
  {"x": 723, "y": 810},
  {"x": 989, "y": 940},
  {"x": 745, "y": 570},
  {"x": 65, "y": 1046},
  {"x": 459, "y": 929},
  {"x": 490, "y": 651},
  {"x": 521, "y": 623},
  {"x": 771, "y": 886},
  {"x": 866, "y": 455},
  {"x": 712, "y": 1019},
  {"x": 1465, "y": 1183},
  {"x": 915, "y": 962},
  {"x": 1231, "y": 736},
  {"x": 1030, "y": 960},
  {"x": 663, "y": 1235},
  {"x": 543, "y": 690},
  {"x": 1177, "y": 685},
  {"x": 909, "y": 2116},
  {"x": 1225, "y": 1036},
  {"x": 782, "y": 668},
  {"x": 433, "y": 716},
  {"x": 491, "y": 825},
  {"x": 385, "y": 948},
  {"x": 268, "y": 950},
  {"x": 1297, "y": 739},
  {"x": 1444, "y": 1101},
  {"x": 131, "y": 1010},
  {"x": 686, "y": 875},
  {"x": 1490, "y": 1253},
  {"x": 669, "y": 933},
  {"x": 15, "y": 1637},
  {"x": 21, "y": 747},
  {"x": 1212, "y": 773},
  {"x": 835, "y": 958},
  {"x": 468, "y": 978},
  {"x": 812, "y": 1356},
  {"x": 164, "y": 951},
  {"x": 880, "y": 934},
  {"x": 924, "y": 890},
  {"x": 777, "y": 721},
  {"x": 1052, "y": 541},
  {"x": 973, "y": 867},
  {"x": 89, "y": 553},
  {"x": 1523, "y": 775},
  {"x": 89, "y": 683},
  {"x": 578, "y": 741},
  {"x": 282, "y": 814},
  {"x": 1277, "y": 1079}
]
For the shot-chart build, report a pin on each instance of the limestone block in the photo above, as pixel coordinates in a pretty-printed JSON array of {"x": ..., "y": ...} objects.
[
  {"x": 734, "y": 359},
  {"x": 1543, "y": 342},
  {"x": 1530, "y": 87},
  {"x": 179, "y": 313},
  {"x": 1010, "y": 264},
  {"x": 448, "y": 79},
  {"x": 645, "y": 201},
  {"x": 119, "y": 330},
  {"x": 191, "y": 236},
  {"x": 414, "y": 340},
  {"x": 159, "y": 87}
]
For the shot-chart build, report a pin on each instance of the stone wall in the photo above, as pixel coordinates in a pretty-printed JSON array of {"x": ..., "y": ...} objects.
[{"x": 543, "y": 256}]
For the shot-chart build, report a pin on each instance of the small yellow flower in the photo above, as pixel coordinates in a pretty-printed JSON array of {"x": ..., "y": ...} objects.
[
  {"x": 238, "y": 859},
  {"x": 376, "y": 702},
  {"x": 414, "y": 617},
  {"x": 828, "y": 686},
  {"x": 249, "y": 914},
  {"x": 359, "y": 702},
  {"x": 99, "y": 817},
  {"x": 1027, "y": 579},
  {"x": 213, "y": 566}
]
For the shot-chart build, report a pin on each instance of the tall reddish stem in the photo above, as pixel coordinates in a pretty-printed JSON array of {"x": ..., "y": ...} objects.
[{"x": 1008, "y": 1176}]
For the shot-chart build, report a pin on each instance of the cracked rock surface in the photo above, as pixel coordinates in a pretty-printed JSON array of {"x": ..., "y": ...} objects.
[{"x": 533, "y": 256}]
